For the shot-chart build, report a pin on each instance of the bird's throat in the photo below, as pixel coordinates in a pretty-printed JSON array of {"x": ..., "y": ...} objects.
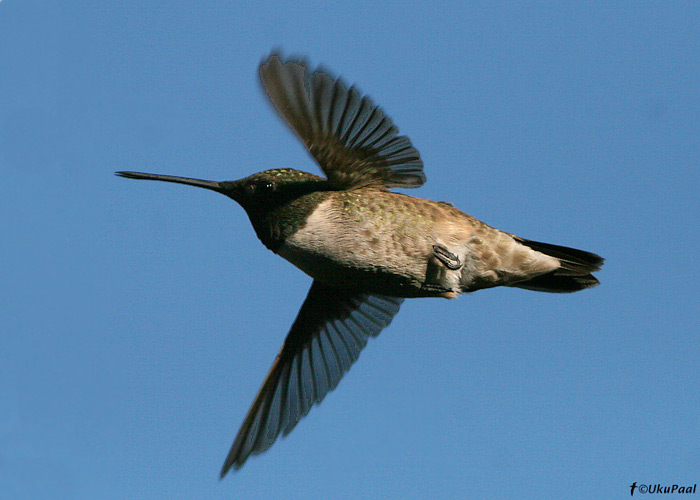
[{"x": 273, "y": 225}]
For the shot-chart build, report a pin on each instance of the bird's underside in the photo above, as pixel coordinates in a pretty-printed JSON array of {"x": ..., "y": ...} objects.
[{"x": 435, "y": 250}]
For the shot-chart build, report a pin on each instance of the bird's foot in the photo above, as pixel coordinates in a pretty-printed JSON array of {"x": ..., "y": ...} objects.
[{"x": 450, "y": 260}]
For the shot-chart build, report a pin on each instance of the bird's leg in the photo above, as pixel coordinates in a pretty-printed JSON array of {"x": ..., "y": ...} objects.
[
  {"x": 440, "y": 278},
  {"x": 450, "y": 260}
]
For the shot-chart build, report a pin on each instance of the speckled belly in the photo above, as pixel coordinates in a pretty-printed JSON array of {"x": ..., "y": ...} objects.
[
  {"x": 370, "y": 248},
  {"x": 355, "y": 269}
]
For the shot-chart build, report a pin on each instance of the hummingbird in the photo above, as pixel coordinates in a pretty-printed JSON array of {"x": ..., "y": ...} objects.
[{"x": 366, "y": 247}]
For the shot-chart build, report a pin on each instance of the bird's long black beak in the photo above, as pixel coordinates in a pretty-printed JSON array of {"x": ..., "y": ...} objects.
[{"x": 213, "y": 185}]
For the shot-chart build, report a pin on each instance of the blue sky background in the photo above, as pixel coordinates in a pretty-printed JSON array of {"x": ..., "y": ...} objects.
[{"x": 139, "y": 319}]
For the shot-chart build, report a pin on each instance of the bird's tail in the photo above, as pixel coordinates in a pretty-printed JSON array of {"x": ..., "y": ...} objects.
[{"x": 573, "y": 275}]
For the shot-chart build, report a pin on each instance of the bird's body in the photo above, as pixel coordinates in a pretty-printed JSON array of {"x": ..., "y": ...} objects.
[
  {"x": 384, "y": 242},
  {"x": 366, "y": 247}
]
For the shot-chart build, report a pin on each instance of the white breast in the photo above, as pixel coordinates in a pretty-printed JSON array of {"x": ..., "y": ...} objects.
[{"x": 332, "y": 242}]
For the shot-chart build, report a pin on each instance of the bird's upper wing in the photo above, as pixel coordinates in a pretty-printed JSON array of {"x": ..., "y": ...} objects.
[
  {"x": 327, "y": 336},
  {"x": 352, "y": 140}
]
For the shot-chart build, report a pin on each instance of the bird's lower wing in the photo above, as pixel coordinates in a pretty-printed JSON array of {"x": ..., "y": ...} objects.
[{"x": 327, "y": 336}]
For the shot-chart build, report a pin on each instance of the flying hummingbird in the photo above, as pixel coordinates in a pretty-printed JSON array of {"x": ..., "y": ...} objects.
[{"x": 366, "y": 247}]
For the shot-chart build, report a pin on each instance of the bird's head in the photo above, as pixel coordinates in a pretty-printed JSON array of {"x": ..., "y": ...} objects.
[
  {"x": 262, "y": 192},
  {"x": 268, "y": 197},
  {"x": 256, "y": 193}
]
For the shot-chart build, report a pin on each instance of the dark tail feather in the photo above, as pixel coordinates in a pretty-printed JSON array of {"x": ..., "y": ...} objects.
[{"x": 573, "y": 275}]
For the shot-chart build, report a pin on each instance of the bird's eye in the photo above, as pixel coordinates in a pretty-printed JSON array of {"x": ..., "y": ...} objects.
[
  {"x": 265, "y": 186},
  {"x": 260, "y": 187}
]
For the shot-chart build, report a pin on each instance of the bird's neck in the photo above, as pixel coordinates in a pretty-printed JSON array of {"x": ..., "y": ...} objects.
[{"x": 273, "y": 225}]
